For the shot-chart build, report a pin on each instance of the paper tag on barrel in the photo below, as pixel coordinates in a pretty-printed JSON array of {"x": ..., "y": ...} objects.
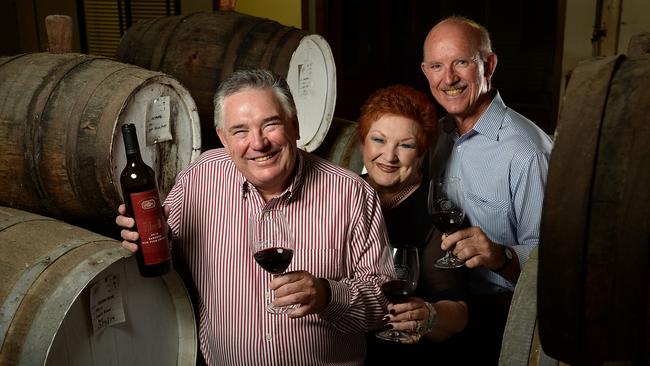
[
  {"x": 158, "y": 128},
  {"x": 106, "y": 306},
  {"x": 305, "y": 79}
]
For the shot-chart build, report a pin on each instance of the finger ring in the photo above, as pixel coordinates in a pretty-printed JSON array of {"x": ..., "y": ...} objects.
[{"x": 418, "y": 327}]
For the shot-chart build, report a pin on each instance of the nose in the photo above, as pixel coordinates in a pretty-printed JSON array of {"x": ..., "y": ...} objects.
[
  {"x": 390, "y": 154},
  {"x": 258, "y": 140},
  {"x": 450, "y": 75}
]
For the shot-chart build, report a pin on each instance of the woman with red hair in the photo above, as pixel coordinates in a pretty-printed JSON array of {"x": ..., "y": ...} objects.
[{"x": 396, "y": 126}]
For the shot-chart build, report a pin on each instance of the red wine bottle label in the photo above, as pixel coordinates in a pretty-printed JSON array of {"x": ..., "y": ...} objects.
[{"x": 151, "y": 226}]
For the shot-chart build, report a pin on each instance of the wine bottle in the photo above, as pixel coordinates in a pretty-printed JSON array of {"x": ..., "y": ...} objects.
[{"x": 142, "y": 201}]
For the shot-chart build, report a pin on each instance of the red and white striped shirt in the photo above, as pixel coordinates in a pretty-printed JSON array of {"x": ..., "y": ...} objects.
[{"x": 336, "y": 220}]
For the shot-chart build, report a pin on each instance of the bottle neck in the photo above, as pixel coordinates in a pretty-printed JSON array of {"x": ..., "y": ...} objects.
[
  {"x": 133, "y": 156},
  {"x": 131, "y": 143}
]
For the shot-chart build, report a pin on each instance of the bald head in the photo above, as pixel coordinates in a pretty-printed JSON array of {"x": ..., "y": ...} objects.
[{"x": 473, "y": 33}]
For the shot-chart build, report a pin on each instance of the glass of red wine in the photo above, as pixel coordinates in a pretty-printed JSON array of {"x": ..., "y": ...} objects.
[
  {"x": 271, "y": 242},
  {"x": 445, "y": 202},
  {"x": 401, "y": 286}
]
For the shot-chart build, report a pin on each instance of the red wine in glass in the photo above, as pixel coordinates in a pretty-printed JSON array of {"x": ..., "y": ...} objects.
[
  {"x": 274, "y": 260},
  {"x": 444, "y": 202},
  {"x": 397, "y": 291},
  {"x": 448, "y": 221},
  {"x": 271, "y": 243}
]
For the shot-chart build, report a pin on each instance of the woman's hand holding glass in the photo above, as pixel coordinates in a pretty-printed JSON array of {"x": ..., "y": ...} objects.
[
  {"x": 399, "y": 288},
  {"x": 411, "y": 317}
]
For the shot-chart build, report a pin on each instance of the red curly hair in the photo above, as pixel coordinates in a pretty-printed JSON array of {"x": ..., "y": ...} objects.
[{"x": 405, "y": 101}]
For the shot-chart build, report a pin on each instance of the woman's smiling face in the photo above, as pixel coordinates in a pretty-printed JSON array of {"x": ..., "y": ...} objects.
[{"x": 390, "y": 152}]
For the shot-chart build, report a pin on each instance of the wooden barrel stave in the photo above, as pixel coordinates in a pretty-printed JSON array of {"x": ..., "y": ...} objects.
[
  {"x": 18, "y": 124},
  {"x": 148, "y": 52},
  {"x": 521, "y": 344},
  {"x": 594, "y": 290},
  {"x": 67, "y": 146},
  {"x": 565, "y": 207},
  {"x": 341, "y": 145},
  {"x": 617, "y": 267}
]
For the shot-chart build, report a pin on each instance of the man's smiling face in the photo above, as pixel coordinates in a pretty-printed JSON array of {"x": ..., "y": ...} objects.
[{"x": 261, "y": 141}]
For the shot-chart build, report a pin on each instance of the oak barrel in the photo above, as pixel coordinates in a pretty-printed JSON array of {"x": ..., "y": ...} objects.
[
  {"x": 341, "y": 145},
  {"x": 521, "y": 345},
  {"x": 594, "y": 284},
  {"x": 61, "y": 149},
  {"x": 201, "y": 49},
  {"x": 50, "y": 272}
]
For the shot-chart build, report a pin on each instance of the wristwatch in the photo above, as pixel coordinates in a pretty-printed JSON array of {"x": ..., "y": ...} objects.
[{"x": 507, "y": 254}]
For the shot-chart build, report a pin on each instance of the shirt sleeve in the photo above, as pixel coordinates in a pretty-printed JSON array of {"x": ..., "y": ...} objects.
[
  {"x": 357, "y": 304},
  {"x": 174, "y": 200},
  {"x": 528, "y": 200}
]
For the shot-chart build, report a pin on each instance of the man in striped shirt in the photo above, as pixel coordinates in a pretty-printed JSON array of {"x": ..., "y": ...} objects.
[
  {"x": 340, "y": 250},
  {"x": 502, "y": 160}
]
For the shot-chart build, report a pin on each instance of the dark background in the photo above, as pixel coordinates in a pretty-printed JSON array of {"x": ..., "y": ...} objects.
[{"x": 377, "y": 43}]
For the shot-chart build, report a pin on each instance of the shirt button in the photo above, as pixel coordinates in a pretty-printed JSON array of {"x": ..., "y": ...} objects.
[
  {"x": 268, "y": 336},
  {"x": 459, "y": 148}
]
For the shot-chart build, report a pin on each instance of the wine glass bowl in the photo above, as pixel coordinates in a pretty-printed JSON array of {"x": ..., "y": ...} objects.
[
  {"x": 401, "y": 285},
  {"x": 444, "y": 201},
  {"x": 272, "y": 246},
  {"x": 273, "y": 259},
  {"x": 397, "y": 291}
]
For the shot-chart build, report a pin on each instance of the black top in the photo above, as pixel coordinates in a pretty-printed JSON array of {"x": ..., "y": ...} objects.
[{"x": 409, "y": 224}]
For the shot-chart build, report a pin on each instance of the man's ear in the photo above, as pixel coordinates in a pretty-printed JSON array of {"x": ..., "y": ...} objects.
[
  {"x": 221, "y": 133},
  {"x": 490, "y": 66}
]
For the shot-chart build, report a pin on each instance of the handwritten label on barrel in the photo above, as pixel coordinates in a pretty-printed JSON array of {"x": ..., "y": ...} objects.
[
  {"x": 305, "y": 79},
  {"x": 158, "y": 128},
  {"x": 106, "y": 306}
]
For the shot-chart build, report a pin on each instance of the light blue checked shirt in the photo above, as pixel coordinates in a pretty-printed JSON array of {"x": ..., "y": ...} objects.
[{"x": 502, "y": 163}]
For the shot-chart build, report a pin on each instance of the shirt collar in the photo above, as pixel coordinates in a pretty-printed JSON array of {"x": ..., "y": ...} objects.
[
  {"x": 487, "y": 125},
  {"x": 491, "y": 120},
  {"x": 290, "y": 192},
  {"x": 298, "y": 178}
]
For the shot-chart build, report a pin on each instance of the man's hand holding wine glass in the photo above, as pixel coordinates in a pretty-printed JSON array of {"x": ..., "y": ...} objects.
[
  {"x": 472, "y": 246},
  {"x": 295, "y": 293},
  {"x": 301, "y": 288}
]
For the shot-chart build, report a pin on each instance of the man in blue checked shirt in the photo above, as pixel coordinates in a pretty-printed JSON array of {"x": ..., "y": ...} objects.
[{"x": 502, "y": 160}]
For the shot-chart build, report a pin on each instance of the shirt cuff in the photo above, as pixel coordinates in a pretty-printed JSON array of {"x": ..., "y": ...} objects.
[
  {"x": 523, "y": 252},
  {"x": 339, "y": 301}
]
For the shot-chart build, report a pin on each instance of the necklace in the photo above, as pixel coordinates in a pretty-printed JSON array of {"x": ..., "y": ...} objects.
[{"x": 401, "y": 195}]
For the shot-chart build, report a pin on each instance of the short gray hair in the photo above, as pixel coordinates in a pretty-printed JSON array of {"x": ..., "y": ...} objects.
[{"x": 254, "y": 79}]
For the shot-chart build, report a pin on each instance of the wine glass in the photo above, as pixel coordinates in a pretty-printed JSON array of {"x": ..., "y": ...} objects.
[
  {"x": 445, "y": 202},
  {"x": 271, "y": 242},
  {"x": 401, "y": 285}
]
